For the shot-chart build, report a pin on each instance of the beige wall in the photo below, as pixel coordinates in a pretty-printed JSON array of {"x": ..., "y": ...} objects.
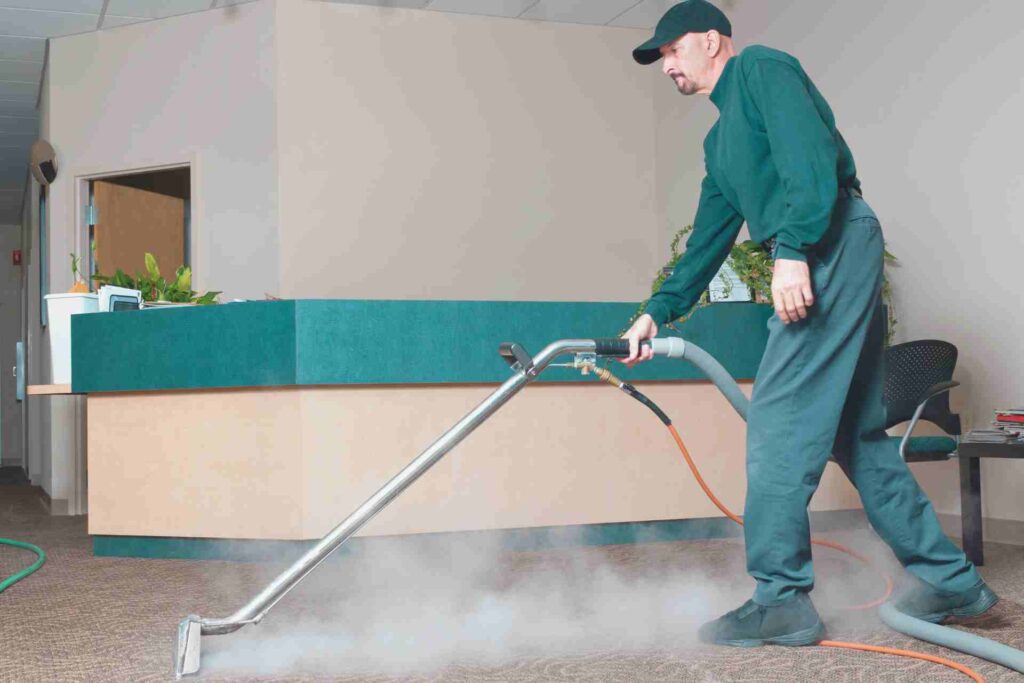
[
  {"x": 196, "y": 88},
  {"x": 40, "y": 424},
  {"x": 347, "y": 151},
  {"x": 930, "y": 103},
  {"x": 292, "y": 463},
  {"x": 441, "y": 156}
]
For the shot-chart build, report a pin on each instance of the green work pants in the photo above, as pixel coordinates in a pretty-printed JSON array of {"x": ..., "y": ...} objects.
[{"x": 818, "y": 393}]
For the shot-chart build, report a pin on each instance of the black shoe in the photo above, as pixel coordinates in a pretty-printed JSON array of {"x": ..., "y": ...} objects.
[
  {"x": 794, "y": 622},
  {"x": 927, "y": 603}
]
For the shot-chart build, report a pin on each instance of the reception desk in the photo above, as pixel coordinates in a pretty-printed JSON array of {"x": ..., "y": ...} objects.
[{"x": 274, "y": 420}]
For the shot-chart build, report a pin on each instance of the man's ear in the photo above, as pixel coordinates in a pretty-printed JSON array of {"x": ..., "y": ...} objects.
[{"x": 713, "y": 42}]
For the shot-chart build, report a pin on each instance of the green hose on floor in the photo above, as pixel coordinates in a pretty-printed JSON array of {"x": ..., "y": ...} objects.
[{"x": 10, "y": 581}]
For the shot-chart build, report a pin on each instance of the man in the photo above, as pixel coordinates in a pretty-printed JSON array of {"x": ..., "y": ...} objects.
[{"x": 775, "y": 160}]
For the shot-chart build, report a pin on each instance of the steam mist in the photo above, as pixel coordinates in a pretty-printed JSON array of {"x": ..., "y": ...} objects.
[{"x": 401, "y": 606}]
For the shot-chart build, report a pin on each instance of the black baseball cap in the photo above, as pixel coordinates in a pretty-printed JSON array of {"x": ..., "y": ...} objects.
[{"x": 690, "y": 16}]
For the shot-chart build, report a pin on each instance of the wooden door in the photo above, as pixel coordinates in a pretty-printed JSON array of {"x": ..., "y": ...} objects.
[{"x": 131, "y": 221}]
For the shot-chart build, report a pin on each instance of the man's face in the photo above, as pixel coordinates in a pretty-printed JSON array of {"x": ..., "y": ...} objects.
[{"x": 686, "y": 61}]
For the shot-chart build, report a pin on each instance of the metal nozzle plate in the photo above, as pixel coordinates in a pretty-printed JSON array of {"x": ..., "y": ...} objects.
[{"x": 186, "y": 661}]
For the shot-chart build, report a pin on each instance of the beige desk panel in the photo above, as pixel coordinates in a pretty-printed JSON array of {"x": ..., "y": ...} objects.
[{"x": 291, "y": 463}]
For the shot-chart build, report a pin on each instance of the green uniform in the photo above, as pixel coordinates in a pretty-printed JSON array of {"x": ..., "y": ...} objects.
[{"x": 775, "y": 160}]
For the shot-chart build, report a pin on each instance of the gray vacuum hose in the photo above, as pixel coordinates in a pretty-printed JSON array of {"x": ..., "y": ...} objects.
[
  {"x": 898, "y": 621},
  {"x": 952, "y": 638},
  {"x": 674, "y": 347}
]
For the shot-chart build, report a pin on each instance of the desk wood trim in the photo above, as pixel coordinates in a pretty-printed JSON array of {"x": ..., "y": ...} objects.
[{"x": 47, "y": 389}]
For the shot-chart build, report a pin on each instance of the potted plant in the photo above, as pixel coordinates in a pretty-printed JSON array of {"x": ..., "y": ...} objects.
[
  {"x": 59, "y": 309},
  {"x": 158, "y": 290},
  {"x": 753, "y": 265}
]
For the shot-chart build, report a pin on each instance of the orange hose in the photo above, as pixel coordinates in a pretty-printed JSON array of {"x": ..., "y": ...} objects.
[
  {"x": 835, "y": 546},
  {"x": 905, "y": 653}
]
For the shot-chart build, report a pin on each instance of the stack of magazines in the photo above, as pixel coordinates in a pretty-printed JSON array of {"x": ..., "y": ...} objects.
[
  {"x": 1010, "y": 419},
  {"x": 987, "y": 436},
  {"x": 1007, "y": 427}
]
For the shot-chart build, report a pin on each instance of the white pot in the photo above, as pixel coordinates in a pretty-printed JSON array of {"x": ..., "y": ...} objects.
[
  {"x": 727, "y": 286},
  {"x": 59, "y": 309}
]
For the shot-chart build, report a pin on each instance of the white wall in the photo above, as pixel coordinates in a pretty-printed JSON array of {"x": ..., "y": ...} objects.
[
  {"x": 37, "y": 359},
  {"x": 446, "y": 156},
  {"x": 196, "y": 87},
  {"x": 930, "y": 101},
  {"x": 349, "y": 151}
]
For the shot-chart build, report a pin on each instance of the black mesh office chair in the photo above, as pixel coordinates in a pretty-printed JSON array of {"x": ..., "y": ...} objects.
[{"x": 918, "y": 377}]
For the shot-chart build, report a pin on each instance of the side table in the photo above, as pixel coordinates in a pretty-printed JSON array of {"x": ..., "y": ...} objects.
[{"x": 970, "y": 454}]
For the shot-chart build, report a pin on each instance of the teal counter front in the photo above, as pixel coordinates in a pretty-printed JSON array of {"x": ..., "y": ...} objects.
[
  {"x": 329, "y": 342},
  {"x": 271, "y": 421}
]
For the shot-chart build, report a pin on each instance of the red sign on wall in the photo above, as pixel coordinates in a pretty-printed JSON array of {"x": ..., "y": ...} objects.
[{"x": 16, "y": 257}]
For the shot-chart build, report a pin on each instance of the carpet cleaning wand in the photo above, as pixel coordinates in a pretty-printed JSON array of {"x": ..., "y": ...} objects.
[{"x": 525, "y": 369}]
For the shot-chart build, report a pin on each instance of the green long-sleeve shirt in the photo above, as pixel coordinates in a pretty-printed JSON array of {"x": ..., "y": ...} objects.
[{"x": 773, "y": 159}]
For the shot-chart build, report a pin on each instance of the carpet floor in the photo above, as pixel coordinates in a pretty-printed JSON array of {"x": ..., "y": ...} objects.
[{"x": 406, "y": 611}]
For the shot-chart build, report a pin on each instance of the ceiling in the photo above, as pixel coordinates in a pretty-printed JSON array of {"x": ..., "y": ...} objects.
[{"x": 26, "y": 24}]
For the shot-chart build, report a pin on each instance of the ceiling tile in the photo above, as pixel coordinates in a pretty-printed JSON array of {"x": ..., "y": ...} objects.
[
  {"x": 18, "y": 125},
  {"x": 16, "y": 70},
  {"x": 494, "y": 8},
  {"x": 15, "y": 154},
  {"x": 155, "y": 9},
  {"x": 12, "y": 169},
  {"x": 17, "y": 138},
  {"x": 644, "y": 15},
  {"x": 112, "y": 21},
  {"x": 17, "y": 47},
  {"x": 411, "y": 4},
  {"x": 578, "y": 11},
  {"x": 22, "y": 107},
  {"x": 10, "y": 203},
  {"x": 18, "y": 91},
  {"x": 39, "y": 24},
  {"x": 12, "y": 216},
  {"x": 80, "y": 6}
]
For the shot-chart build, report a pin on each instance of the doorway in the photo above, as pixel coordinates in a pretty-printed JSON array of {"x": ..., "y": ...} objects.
[
  {"x": 12, "y": 258},
  {"x": 137, "y": 213}
]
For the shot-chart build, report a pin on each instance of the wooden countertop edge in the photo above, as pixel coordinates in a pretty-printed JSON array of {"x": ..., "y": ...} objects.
[{"x": 47, "y": 389}]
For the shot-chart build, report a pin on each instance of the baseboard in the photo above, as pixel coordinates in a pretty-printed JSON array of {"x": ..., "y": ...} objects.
[
  {"x": 507, "y": 539},
  {"x": 1009, "y": 531},
  {"x": 57, "y": 507}
]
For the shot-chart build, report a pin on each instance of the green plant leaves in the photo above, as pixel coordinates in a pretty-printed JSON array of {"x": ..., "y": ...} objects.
[
  {"x": 208, "y": 298},
  {"x": 754, "y": 266},
  {"x": 122, "y": 279},
  {"x": 157, "y": 288},
  {"x": 183, "y": 279},
  {"x": 151, "y": 268}
]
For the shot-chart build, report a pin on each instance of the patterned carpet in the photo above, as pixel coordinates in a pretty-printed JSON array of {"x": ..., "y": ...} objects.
[{"x": 613, "y": 613}]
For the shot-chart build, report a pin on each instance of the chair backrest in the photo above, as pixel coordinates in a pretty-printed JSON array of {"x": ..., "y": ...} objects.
[{"x": 910, "y": 369}]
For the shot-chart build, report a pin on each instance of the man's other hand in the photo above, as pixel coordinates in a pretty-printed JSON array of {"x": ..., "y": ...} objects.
[
  {"x": 643, "y": 328},
  {"x": 791, "y": 290}
]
